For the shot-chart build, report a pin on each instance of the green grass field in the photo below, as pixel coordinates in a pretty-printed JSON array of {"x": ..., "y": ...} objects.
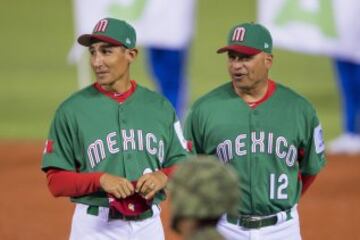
[{"x": 35, "y": 76}]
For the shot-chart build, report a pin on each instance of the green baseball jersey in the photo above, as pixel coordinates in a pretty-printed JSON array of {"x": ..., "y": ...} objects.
[
  {"x": 93, "y": 133},
  {"x": 262, "y": 144}
]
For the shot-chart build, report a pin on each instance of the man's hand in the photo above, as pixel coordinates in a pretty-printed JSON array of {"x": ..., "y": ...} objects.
[
  {"x": 149, "y": 184},
  {"x": 117, "y": 186}
]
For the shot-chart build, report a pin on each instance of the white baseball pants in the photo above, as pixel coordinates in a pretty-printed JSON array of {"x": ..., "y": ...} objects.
[
  {"x": 282, "y": 230},
  {"x": 88, "y": 227}
]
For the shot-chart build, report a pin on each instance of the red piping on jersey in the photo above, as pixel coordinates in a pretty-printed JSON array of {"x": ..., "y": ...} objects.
[
  {"x": 116, "y": 96},
  {"x": 269, "y": 92}
]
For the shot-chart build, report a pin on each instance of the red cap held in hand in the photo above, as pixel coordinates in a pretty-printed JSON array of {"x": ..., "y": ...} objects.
[{"x": 132, "y": 205}]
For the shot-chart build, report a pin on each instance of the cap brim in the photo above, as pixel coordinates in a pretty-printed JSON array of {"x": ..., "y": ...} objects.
[
  {"x": 87, "y": 39},
  {"x": 239, "y": 49}
]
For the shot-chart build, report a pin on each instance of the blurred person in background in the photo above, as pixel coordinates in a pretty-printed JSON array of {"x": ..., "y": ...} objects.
[
  {"x": 165, "y": 29},
  {"x": 348, "y": 77},
  {"x": 327, "y": 28},
  {"x": 202, "y": 190}
]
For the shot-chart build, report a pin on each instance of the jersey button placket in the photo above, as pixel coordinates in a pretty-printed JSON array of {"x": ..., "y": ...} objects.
[
  {"x": 254, "y": 121},
  {"x": 121, "y": 116},
  {"x": 129, "y": 166},
  {"x": 253, "y": 127},
  {"x": 122, "y": 125}
]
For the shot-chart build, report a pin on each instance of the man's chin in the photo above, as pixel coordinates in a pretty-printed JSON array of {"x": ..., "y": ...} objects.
[
  {"x": 239, "y": 82},
  {"x": 103, "y": 81},
  {"x": 241, "y": 85}
]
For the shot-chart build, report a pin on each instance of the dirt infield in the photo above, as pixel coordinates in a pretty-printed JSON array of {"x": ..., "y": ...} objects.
[{"x": 329, "y": 210}]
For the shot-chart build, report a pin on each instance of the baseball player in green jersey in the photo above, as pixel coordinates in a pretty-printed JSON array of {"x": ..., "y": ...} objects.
[
  {"x": 267, "y": 132},
  {"x": 197, "y": 197},
  {"x": 112, "y": 145}
]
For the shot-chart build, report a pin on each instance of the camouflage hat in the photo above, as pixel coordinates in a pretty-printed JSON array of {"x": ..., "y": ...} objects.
[
  {"x": 111, "y": 30},
  {"x": 203, "y": 188},
  {"x": 249, "y": 39}
]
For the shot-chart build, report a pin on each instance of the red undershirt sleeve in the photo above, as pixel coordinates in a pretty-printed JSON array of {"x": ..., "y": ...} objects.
[
  {"x": 63, "y": 183},
  {"x": 307, "y": 180}
]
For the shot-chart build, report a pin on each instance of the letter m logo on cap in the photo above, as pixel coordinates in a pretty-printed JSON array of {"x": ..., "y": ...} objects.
[
  {"x": 238, "y": 34},
  {"x": 101, "y": 26}
]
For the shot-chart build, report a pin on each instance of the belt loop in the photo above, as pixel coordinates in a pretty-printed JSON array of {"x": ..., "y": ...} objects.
[
  {"x": 281, "y": 217},
  {"x": 232, "y": 219},
  {"x": 93, "y": 210},
  {"x": 288, "y": 214}
]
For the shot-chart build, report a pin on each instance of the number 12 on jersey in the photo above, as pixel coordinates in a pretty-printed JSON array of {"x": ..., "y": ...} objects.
[{"x": 278, "y": 186}]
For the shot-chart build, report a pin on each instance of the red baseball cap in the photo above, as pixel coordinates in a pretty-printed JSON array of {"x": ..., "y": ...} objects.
[
  {"x": 113, "y": 31},
  {"x": 133, "y": 205},
  {"x": 249, "y": 39}
]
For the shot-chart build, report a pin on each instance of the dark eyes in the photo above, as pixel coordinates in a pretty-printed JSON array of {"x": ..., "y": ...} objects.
[
  {"x": 104, "y": 51},
  {"x": 241, "y": 58}
]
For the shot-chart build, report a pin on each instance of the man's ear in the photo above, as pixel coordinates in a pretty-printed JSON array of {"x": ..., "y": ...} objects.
[
  {"x": 132, "y": 54},
  {"x": 268, "y": 60}
]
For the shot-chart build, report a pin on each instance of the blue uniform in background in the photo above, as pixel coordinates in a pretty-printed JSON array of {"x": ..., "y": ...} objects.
[
  {"x": 348, "y": 77},
  {"x": 169, "y": 70}
]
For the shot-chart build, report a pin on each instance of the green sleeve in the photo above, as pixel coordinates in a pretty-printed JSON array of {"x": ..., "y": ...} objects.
[
  {"x": 192, "y": 132},
  {"x": 61, "y": 153},
  {"x": 314, "y": 158},
  {"x": 177, "y": 146}
]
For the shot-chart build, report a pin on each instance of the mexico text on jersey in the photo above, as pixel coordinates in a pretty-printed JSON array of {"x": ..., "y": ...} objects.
[
  {"x": 270, "y": 146},
  {"x": 93, "y": 133}
]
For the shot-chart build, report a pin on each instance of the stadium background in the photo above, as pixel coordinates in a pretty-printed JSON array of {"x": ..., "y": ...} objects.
[{"x": 36, "y": 37}]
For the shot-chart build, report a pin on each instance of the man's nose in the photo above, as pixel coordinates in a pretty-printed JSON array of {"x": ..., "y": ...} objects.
[
  {"x": 97, "y": 60},
  {"x": 238, "y": 63}
]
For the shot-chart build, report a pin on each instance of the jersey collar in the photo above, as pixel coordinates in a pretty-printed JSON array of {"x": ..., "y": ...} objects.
[
  {"x": 269, "y": 92},
  {"x": 119, "y": 97}
]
